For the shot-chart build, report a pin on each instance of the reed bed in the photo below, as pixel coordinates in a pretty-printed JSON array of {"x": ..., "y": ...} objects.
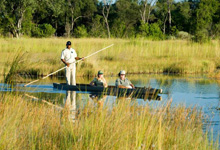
[
  {"x": 132, "y": 55},
  {"x": 25, "y": 124}
]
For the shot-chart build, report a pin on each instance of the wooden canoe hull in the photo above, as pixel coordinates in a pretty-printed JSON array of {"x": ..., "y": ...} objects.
[{"x": 138, "y": 92}]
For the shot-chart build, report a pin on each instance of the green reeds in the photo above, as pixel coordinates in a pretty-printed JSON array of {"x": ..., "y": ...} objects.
[
  {"x": 14, "y": 67},
  {"x": 30, "y": 125}
]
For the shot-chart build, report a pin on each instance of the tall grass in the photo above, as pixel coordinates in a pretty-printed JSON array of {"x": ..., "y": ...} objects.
[
  {"x": 14, "y": 66},
  {"x": 134, "y": 56},
  {"x": 32, "y": 125}
]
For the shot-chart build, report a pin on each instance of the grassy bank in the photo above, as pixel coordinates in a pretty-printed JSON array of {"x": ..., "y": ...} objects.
[
  {"x": 135, "y": 56},
  {"x": 25, "y": 124}
]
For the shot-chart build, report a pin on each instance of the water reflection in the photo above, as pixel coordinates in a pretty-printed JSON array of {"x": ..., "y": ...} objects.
[
  {"x": 189, "y": 91},
  {"x": 70, "y": 105},
  {"x": 98, "y": 99}
]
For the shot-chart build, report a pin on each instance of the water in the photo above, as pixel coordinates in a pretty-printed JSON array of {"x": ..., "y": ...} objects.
[{"x": 191, "y": 91}]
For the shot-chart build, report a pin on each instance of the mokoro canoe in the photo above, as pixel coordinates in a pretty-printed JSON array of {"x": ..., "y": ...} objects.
[{"x": 111, "y": 90}]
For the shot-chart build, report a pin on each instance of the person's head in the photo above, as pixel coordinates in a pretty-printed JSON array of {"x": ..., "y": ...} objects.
[
  {"x": 100, "y": 74},
  {"x": 68, "y": 44},
  {"x": 122, "y": 74}
]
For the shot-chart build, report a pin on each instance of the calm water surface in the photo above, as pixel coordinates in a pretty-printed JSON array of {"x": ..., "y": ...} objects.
[{"x": 191, "y": 91}]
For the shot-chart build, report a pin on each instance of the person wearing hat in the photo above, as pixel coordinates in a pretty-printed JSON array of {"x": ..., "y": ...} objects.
[
  {"x": 99, "y": 80},
  {"x": 123, "y": 82},
  {"x": 69, "y": 57}
]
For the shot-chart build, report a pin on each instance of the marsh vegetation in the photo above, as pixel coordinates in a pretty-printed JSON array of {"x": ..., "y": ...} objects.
[{"x": 136, "y": 56}]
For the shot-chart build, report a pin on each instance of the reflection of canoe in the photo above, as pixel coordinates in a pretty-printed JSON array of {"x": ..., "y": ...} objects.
[
  {"x": 140, "y": 92},
  {"x": 99, "y": 96}
]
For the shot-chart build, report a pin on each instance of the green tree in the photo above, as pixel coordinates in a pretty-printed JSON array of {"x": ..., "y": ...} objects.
[
  {"x": 146, "y": 7},
  {"x": 204, "y": 19},
  {"x": 163, "y": 13},
  {"x": 57, "y": 8},
  {"x": 13, "y": 14},
  {"x": 106, "y": 5},
  {"x": 128, "y": 13},
  {"x": 77, "y": 9},
  {"x": 97, "y": 28},
  {"x": 182, "y": 14}
]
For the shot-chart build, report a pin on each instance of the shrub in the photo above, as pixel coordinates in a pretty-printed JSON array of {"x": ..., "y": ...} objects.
[
  {"x": 143, "y": 30},
  {"x": 43, "y": 30},
  {"x": 201, "y": 36},
  {"x": 98, "y": 27},
  {"x": 216, "y": 32},
  {"x": 80, "y": 31},
  {"x": 183, "y": 35},
  {"x": 118, "y": 28},
  {"x": 155, "y": 31}
]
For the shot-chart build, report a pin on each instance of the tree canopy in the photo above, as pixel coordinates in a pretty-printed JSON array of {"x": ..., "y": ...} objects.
[{"x": 155, "y": 19}]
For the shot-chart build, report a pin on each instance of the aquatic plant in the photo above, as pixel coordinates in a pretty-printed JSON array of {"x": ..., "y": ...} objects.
[{"x": 14, "y": 67}]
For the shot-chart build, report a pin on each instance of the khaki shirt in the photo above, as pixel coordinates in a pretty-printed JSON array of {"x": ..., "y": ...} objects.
[
  {"x": 98, "y": 82},
  {"x": 125, "y": 82}
]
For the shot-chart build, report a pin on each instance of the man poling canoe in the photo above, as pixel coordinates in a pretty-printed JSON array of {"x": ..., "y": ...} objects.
[
  {"x": 123, "y": 82},
  {"x": 69, "y": 57},
  {"x": 66, "y": 66}
]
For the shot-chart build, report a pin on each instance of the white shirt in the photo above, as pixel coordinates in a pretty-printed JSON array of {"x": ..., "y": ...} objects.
[{"x": 69, "y": 55}]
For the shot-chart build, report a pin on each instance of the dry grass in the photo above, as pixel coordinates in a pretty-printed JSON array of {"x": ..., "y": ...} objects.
[
  {"x": 135, "y": 56},
  {"x": 32, "y": 125}
]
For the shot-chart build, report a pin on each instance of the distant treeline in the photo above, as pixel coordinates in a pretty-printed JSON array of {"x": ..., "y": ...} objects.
[{"x": 154, "y": 19}]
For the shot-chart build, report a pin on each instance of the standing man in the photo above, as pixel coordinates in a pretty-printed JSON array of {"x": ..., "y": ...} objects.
[{"x": 69, "y": 57}]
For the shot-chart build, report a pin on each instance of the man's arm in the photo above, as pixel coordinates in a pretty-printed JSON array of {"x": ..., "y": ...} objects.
[
  {"x": 117, "y": 84},
  {"x": 78, "y": 58},
  {"x": 122, "y": 87},
  {"x": 132, "y": 85},
  {"x": 67, "y": 64},
  {"x": 92, "y": 83},
  {"x": 105, "y": 83}
]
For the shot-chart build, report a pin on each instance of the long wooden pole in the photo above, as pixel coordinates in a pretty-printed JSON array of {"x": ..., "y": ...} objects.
[
  {"x": 33, "y": 97},
  {"x": 65, "y": 66}
]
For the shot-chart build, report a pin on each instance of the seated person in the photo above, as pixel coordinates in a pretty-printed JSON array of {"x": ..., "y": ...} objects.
[
  {"x": 123, "y": 82},
  {"x": 99, "y": 80}
]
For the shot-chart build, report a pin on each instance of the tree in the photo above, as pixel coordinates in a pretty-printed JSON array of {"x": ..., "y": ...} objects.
[
  {"x": 182, "y": 16},
  {"x": 105, "y": 12},
  {"x": 56, "y": 8},
  {"x": 169, "y": 4},
  {"x": 204, "y": 19},
  {"x": 146, "y": 6},
  {"x": 98, "y": 27},
  {"x": 161, "y": 14},
  {"x": 128, "y": 14},
  {"x": 13, "y": 13},
  {"x": 164, "y": 8},
  {"x": 77, "y": 9}
]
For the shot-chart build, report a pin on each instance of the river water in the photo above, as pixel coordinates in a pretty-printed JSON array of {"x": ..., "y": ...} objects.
[{"x": 190, "y": 91}]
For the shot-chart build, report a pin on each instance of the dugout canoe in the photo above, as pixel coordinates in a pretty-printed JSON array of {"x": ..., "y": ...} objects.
[{"x": 139, "y": 92}]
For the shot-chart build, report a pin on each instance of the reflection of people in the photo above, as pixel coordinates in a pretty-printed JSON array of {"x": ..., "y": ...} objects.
[
  {"x": 99, "y": 98},
  {"x": 69, "y": 57},
  {"x": 70, "y": 104},
  {"x": 99, "y": 80},
  {"x": 123, "y": 82}
]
